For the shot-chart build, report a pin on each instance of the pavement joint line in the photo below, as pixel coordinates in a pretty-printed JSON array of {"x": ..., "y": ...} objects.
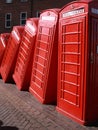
[{"x": 21, "y": 110}]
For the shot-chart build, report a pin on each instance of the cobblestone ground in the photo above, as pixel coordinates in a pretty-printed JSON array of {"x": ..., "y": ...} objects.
[{"x": 19, "y": 110}]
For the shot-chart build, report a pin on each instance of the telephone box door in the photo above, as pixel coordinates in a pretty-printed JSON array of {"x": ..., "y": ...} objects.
[
  {"x": 71, "y": 66},
  {"x": 42, "y": 58}
]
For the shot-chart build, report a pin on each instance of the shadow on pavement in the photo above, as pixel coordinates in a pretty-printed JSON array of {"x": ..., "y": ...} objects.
[
  {"x": 94, "y": 124},
  {"x": 7, "y": 127}
]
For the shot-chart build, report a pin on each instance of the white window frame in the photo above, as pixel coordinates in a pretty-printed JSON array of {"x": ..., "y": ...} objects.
[
  {"x": 8, "y": 20},
  {"x": 8, "y": 1},
  {"x": 38, "y": 13},
  {"x": 22, "y": 18},
  {"x": 23, "y": 0}
]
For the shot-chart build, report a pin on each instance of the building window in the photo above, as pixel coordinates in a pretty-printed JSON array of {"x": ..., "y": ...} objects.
[
  {"x": 23, "y": 0},
  {"x": 37, "y": 13},
  {"x": 23, "y": 17},
  {"x": 8, "y": 1},
  {"x": 8, "y": 19}
]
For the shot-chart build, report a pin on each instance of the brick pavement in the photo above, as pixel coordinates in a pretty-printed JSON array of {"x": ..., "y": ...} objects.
[{"x": 19, "y": 110}]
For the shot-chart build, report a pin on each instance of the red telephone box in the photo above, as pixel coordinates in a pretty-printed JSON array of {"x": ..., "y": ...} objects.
[
  {"x": 3, "y": 43},
  {"x": 44, "y": 70},
  {"x": 22, "y": 73},
  {"x": 78, "y": 61},
  {"x": 10, "y": 55}
]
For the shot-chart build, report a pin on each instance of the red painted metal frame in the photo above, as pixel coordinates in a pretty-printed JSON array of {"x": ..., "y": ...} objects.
[
  {"x": 3, "y": 43},
  {"x": 10, "y": 55},
  {"x": 22, "y": 73},
  {"x": 78, "y": 61},
  {"x": 44, "y": 70}
]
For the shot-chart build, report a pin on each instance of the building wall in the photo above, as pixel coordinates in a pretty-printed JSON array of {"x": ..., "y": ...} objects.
[
  {"x": 39, "y": 5},
  {"x": 32, "y": 7},
  {"x": 16, "y": 7}
]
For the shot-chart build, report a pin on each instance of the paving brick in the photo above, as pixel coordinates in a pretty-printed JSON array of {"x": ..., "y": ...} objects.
[{"x": 19, "y": 109}]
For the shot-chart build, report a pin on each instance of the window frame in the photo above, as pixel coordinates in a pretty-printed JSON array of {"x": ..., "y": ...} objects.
[
  {"x": 38, "y": 13},
  {"x": 9, "y": 1},
  {"x": 21, "y": 19},
  {"x": 23, "y": 0},
  {"x": 8, "y": 20}
]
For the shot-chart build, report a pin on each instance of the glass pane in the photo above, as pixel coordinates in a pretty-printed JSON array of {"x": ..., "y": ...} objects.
[
  {"x": 23, "y": 22},
  {"x": 23, "y": 15},
  {"x": 8, "y": 16},
  {"x": 8, "y": 23}
]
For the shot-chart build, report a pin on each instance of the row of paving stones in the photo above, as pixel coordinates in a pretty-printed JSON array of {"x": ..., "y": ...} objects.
[{"x": 19, "y": 110}]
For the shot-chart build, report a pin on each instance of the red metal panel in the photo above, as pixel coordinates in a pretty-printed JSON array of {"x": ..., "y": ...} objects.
[
  {"x": 71, "y": 54},
  {"x": 77, "y": 61},
  {"x": 44, "y": 71},
  {"x": 3, "y": 43},
  {"x": 10, "y": 55},
  {"x": 22, "y": 73}
]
